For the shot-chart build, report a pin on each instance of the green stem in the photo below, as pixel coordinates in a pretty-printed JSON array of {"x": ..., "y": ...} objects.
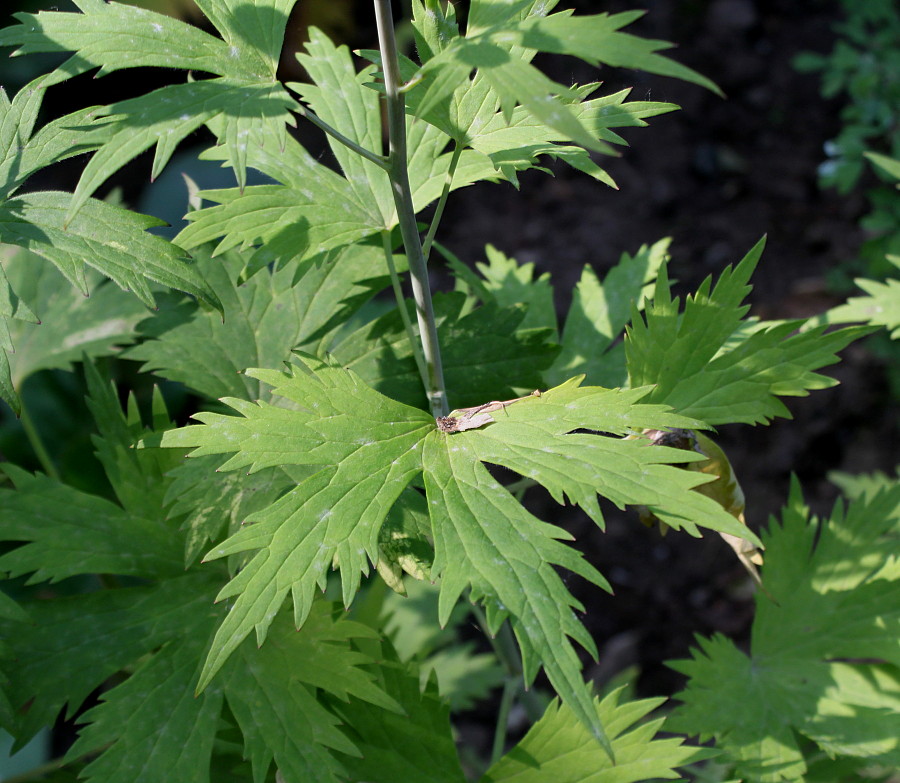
[
  {"x": 378, "y": 160},
  {"x": 37, "y": 444},
  {"x": 510, "y": 688},
  {"x": 406, "y": 214},
  {"x": 518, "y": 488},
  {"x": 507, "y": 652},
  {"x": 401, "y": 304},
  {"x": 442, "y": 202}
]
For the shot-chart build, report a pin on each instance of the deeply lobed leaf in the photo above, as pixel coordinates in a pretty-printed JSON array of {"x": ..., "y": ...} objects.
[
  {"x": 368, "y": 444},
  {"x": 265, "y": 318},
  {"x": 824, "y": 659},
  {"x": 110, "y": 239},
  {"x": 558, "y": 748},
  {"x": 74, "y": 644},
  {"x": 65, "y": 532},
  {"x": 710, "y": 363}
]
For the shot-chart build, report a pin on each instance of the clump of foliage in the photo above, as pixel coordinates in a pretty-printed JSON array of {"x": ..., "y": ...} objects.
[
  {"x": 864, "y": 69},
  {"x": 235, "y": 609}
]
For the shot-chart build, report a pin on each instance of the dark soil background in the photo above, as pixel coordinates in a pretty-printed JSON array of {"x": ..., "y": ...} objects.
[{"x": 715, "y": 176}]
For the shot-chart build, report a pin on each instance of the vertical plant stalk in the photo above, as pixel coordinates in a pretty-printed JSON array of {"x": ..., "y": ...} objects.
[
  {"x": 406, "y": 214},
  {"x": 510, "y": 688},
  {"x": 507, "y": 652},
  {"x": 401, "y": 304},
  {"x": 34, "y": 438}
]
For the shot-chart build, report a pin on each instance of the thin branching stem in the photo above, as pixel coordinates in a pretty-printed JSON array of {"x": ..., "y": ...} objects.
[
  {"x": 507, "y": 652},
  {"x": 40, "y": 450},
  {"x": 401, "y": 304},
  {"x": 510, "y": 689},
  {"x": 406, "y": 214},
  {"x": 442, "y": 202},
  {"x": 378, "y": 160}
]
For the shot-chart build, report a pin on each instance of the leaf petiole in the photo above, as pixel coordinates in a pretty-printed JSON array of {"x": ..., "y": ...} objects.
[{"x": 378, "y": 160}]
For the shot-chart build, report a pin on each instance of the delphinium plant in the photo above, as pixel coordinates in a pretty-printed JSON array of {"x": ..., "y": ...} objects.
[{"x": 234, "y": 616}]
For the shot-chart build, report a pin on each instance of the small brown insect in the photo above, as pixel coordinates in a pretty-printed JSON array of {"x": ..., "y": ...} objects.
[{"x": 464, "y": 419}]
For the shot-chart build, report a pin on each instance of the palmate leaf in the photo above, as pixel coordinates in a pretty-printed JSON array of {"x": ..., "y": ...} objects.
[
  {"x": 369, "y": 445},
  {"x": 74, "y": 644},
  {"x": 824, "y": 659},
  {"x": 558, "y": 748},
  {"x": 370, "y": 448},
  {"x": 152, "y": 727},
  {"x": 265, "y": 318},
  {"x": 598, "y": 315},
  {"x": 110, "y": 239},
  {"x": 499, "y": 44},
  {"x": 267, "y": 691},
  {"x": 110, "y": 36},
  {"x": 416, "y": 744},
  {"x": 515, "y": 142},
  {"x": 705, "y": 362},
  {"x": 485, "y": 353}
]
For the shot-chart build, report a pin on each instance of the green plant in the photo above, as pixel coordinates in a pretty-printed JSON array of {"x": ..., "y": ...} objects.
[
  {"x": 334, "y": 446},
  {"x": 864, "y": 66}
]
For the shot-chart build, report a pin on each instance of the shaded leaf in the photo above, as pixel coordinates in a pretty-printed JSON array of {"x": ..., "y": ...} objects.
[
  {"x": 137, "y": 476},
  {"x": 485, "y": 355},
  {"x": 511, "y": 283},
  {"x": 158, "y": 730},
  {"x": 265, "y": 318},
  {"x": 414, "y": 745},
  {"x": 73, "y": 326},
  {"x": 598, "y": 315},
  {"x": 76, "y": 643},
  {"x": 268, "y": 691},
  {"x": 213, "y": 504},
  {"x": 65, "y": 532}
]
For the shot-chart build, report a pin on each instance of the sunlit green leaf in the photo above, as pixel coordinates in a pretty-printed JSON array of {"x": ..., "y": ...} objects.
[
  {"x": 559, "y": 748},
  {"x": 823, "y": 660}
]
